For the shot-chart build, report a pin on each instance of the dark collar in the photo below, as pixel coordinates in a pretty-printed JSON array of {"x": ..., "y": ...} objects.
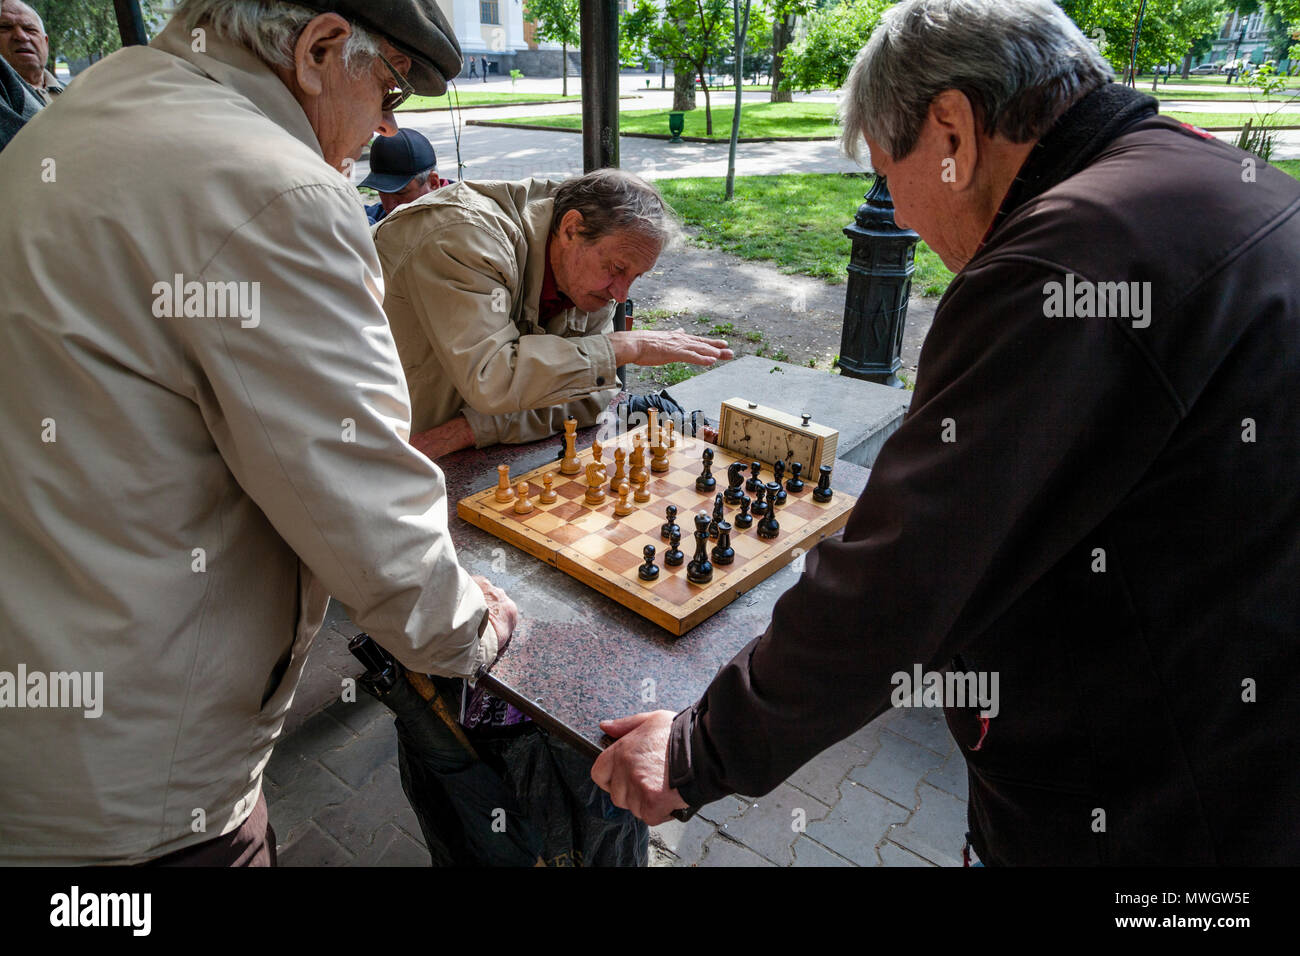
[
  {"x": 1071, "y": 144},
  {"x": 552, "y": 301}
]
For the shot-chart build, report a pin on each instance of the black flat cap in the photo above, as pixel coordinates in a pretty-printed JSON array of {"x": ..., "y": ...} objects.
[{"x": 416, "y": 27}]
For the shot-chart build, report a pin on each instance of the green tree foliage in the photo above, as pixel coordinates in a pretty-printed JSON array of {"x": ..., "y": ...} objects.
[
  {"x": 692, "y": 32},
  {"x": 1169, "y": 28},
  {"x": 822, "y": 57},
  {"x": 87, "y": 28},
  {"x": 557, "y": 21}
]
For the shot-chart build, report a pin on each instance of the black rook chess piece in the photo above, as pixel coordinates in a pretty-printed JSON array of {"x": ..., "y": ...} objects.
[
  {"x": 754, "y": 468},
  {"x": 823, "y": 490},
  {"x": 775, "y": 493},
  {"x": 794, "y": 484},
  {"x": 722, "y": 551},
  {"x": 648, "y": 571},
  {"x": 673, "y": 557},
  {"x": 706, "y": 481},
  {"x": 670, "y": 525},
  {"x": 760, "y": 505},
  {"x": 744, "y": 519},
  {"x": 700, "y": 570},
  {"x": 768, "y": 527},
  {"x": 735, "y": 478}
]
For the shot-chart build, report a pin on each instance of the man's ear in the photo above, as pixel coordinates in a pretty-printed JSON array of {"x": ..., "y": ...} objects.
[
  {"x": 320, "y": 42},
  {"x": 571, "y": 226},
  {"x": 953, "y": 127}
]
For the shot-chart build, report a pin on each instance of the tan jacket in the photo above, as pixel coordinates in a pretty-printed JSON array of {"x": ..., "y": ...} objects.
[
  {"x": 463, "y": 269},
  {"x": 180, "y": 493}
]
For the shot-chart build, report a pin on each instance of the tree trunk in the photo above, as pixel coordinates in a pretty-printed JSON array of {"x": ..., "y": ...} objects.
[
  {"x": 1187, "y": 66},
  {"x": 708, "y": 113},
  {"x": 564, "y": 69},
  {"x": 683, "y": 86},
  {"x": 782, "y": 32}
]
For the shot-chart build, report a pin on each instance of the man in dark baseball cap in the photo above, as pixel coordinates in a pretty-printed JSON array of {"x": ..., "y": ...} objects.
[{"x": 403, "y": 168}]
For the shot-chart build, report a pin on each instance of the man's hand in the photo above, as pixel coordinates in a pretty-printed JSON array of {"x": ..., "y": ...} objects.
[
  {"x": 501, "y": 612},
  {"x": 444, "y": 439},
  {"x": 634, "y": 769},
  {"x": 660, "y": 348}
]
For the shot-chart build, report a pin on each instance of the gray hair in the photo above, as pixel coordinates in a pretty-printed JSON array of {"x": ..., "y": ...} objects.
[
  {"x": 1022, "y": 64},
  {"x": 613, "y": 200},
  {"x": 270, "y": 28},
  {"x": 35, "y": 13}
]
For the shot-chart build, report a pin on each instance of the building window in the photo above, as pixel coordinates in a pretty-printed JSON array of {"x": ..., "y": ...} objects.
[
  {"x": 1253, "y": 25},
  {"x": 488, "y": 11}
]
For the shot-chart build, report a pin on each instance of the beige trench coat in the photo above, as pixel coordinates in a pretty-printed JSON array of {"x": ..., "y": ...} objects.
[
  {"x": 463, "y": 269},
  {"x": 181, "y": 492}
]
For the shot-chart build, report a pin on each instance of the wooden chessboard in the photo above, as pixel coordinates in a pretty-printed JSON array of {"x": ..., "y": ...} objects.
[{"x": 604, "y": 551}]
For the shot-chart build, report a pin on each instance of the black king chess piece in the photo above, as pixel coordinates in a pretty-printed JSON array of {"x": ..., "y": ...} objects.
[
  {"x": 670, "y": 525},
  {"x": 759, "y": 507},
  {"x": 744, "y": 519},
  {"x": 794, "y": 484},
  {"x": 700, "y": 571},
  {"x": 755, "y": 467},
  {"x": 706, "y": 482},
  {"x": 768, "y": 527},
  {"x": 673, "y": 557},
  {"x": 648, "y": 571},
  {"x": 735, "y": 478},
  {"x": 717, "y": 515},
  {"x": 823, "y": 490},
  {"x": 723, "y": 553}
]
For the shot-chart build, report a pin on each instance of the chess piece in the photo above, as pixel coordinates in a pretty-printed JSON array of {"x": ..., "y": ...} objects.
[
  {"x": 671, "y": 524},
  {"x": 569, "y": 464},
  {"x": 672, "y": 433},
  {"x": 775, "y": 495},
  {"x": 620, "y": 470},
  {"x": 548, "y": 493},
  {"x": 778, "y": 470},
  {"x": 659, "y": 455},
  {"x": 652, "y": 425},
  {"x": 596, "y": 451},
  {"x": 642, "y": 487},
  {"x": 706, "y": 482},
  {"x": 760, "y": 504},
  {"x": 823, "y": 490},
  {"x": 674, "y": 557},
  {"x": 624, "y": 506},
  {"x": 504, "y": 491},
  {"x": 794, "y": 484},
  {"x": 700, "y": 570},
  {"x": 723, "y": 553},
  {"x": 636, "y": 461},
  {"x": 522, "y": 504},
  {"x": 717, "y": 516},
  {"x": 778, "y": 474},
  {"x": 769, "y": 527},
  {"x": 735, "y": 478},
  {"x": 595, "y": 484},
  {"x": 648, "y": 571},
  {"x": 744, "y": 519},
  {"x": 755, "y": 468}
]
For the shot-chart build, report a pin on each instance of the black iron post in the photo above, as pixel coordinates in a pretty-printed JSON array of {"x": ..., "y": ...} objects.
[
  {"x": 130, "y": 23},
  {"x": 880, "y": 280}
]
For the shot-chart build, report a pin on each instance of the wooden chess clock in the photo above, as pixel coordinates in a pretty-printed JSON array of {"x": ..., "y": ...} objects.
[{"x": 767, "y": 435}]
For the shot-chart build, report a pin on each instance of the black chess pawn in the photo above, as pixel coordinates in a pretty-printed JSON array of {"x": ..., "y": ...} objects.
[
  {"x": 823, "y": 490},
  {"x": 673, "y": 557},
  {"x": 706, "y": 482},
  {"x": 768, "y": 527},
  {"x": 744, "y": 519},
  {"x": 735, "y": 478},
  {"x": 723, "y": 553},
  {"x": 778, "y": 471},
  {"x": 700, "y": 570},
  {"x": 648, "y": 571},
  {"x": 759, "y": 507},
  {"x": 717, "y": 516},
  {"x": 670, "y": 525},
  {"x": 775, "y": 493},
  {"x": 755, "y": 467},
  {"x": 794, "y": 484}
]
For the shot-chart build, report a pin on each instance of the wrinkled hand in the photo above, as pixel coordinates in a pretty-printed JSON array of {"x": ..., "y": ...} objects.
[
  {"x": 442, "y": 440},
  {"x": 634, "y": 769},
  {"x": 660, "y": 348},
  {"x": 502, "y": 612}
]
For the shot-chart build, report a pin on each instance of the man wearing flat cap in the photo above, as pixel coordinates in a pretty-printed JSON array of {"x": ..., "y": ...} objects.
[
  {"x": 403, "y": 167},
  {"x": 205, "y": 427}
]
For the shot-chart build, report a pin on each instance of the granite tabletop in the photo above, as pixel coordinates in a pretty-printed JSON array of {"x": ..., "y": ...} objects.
[{"x": 578, "y": 657}]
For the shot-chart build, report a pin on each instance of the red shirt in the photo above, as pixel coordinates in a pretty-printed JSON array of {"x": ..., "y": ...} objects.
[{"x": 552, "y": 301}]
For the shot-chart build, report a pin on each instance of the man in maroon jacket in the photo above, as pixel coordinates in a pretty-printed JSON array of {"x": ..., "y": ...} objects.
[{"x": 1095, "y": 495}]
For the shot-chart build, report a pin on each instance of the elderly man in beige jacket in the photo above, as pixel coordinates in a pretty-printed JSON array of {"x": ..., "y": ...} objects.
[
  {"x": 204, "y": 426},
  {"x": 501, "y": 297}
]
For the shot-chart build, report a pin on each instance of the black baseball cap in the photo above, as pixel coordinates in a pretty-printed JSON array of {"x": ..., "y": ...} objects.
[
  {"x": 416, "y": 27},
  {"x": 396, "y": 160}
]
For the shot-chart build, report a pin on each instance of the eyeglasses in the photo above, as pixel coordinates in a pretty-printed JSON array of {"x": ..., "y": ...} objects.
[{"x": 395, "y": 98}]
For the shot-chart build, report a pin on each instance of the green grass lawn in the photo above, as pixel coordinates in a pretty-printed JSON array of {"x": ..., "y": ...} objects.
[
  {"x": 482, "y": 99},
  {"x": 1204, "y": 120},
  {"x": 1289, "y": 166},
  {"x": 758, "y": 223},
  {"x": 1245, "y": 95},
  {"x": 756, "y": 119}
]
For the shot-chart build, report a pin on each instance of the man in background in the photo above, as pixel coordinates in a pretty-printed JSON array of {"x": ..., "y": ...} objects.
[
  {"x": 26, "y": 47},
  {"x": 403, "y": 168}
]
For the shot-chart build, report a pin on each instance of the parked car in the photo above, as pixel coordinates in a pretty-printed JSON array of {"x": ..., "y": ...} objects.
[{"x": 1203, "y": 69}]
